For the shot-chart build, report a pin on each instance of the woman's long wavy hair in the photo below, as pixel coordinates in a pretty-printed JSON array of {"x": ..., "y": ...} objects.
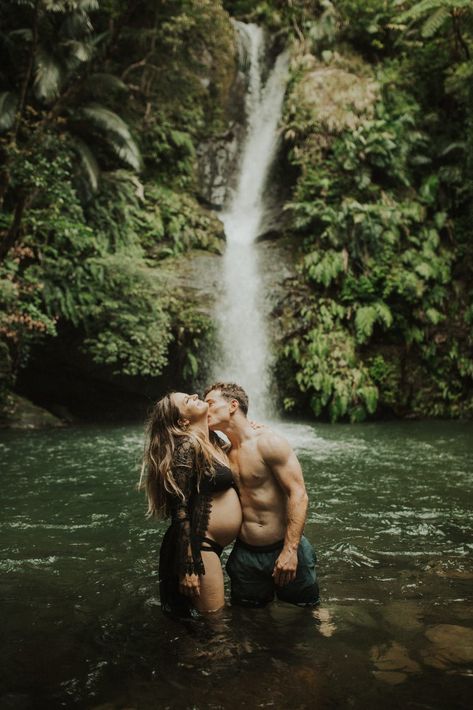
[{"x": 163, "y": 430}]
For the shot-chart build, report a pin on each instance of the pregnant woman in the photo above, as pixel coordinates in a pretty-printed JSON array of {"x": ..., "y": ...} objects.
[{"x": 187, "y": 478}]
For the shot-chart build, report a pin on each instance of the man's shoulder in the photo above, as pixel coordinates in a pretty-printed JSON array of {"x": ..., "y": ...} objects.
[{"x": 272, "y": 446}]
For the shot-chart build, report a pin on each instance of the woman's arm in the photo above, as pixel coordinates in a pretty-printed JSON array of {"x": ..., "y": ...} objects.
[{"x": 189, "y": 562}]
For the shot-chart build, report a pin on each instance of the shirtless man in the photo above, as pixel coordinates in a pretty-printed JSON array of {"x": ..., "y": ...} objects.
[{"x": 270, "y": 556}]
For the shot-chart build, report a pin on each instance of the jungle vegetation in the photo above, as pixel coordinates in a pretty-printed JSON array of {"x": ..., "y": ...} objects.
[{"x": 102, "y": 108}]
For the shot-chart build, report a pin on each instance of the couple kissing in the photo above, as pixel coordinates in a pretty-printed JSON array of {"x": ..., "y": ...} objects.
[{"x": 251, "y": 492}]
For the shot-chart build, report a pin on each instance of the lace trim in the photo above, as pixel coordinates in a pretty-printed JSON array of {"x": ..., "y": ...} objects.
[
  {"x": 191, "y": 514},
  {"x": 201, "y": 515}
]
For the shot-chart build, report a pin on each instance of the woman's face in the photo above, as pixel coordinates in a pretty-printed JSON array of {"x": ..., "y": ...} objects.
[{"x": 190, "y": 406}]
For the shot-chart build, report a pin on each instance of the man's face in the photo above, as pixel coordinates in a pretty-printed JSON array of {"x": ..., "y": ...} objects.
[{"x": 219, "y": 410}]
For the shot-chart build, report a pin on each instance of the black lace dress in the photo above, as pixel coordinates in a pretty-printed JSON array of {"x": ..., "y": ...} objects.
[{"x": 180, "y": 552}]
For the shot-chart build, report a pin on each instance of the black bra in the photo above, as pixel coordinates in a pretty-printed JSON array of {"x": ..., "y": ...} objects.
[{"x": 221, "y": 480}]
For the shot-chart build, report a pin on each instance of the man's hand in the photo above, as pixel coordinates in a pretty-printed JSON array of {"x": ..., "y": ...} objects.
[
  {"x": 189, "y": 585},
  {"x": 285, "y": 567}
]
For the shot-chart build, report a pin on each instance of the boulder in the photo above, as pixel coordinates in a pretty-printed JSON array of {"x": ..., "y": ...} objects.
[{"x": 20, "y": 413}]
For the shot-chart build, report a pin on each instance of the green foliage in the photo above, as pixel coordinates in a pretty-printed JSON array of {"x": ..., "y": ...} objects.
[
  {"x": 435, "y": 13},
  {"x": 127, "y": 322},
  {"x": 367, "y": 316},
  {"x": 329, "y": 369},
  {"x": 182, "y": 225},
  {"x": 368, "y": 207},
  {"x": 109, "y": 83}
]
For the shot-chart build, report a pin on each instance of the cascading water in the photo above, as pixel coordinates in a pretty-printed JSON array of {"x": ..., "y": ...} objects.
[{"x": 241, "y": 315}]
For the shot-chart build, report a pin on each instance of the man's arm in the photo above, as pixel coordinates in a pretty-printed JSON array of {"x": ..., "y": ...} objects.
[{"x": 281, "y": 459}]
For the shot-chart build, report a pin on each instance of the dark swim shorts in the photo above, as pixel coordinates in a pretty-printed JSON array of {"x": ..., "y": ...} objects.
[{"x": 250, "y": 569}]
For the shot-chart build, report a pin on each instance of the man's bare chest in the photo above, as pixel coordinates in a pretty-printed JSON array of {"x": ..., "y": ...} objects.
[{"x": 249, "y": 469}]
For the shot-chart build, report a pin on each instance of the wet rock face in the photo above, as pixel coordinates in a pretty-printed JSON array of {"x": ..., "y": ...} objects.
[
  {"x": 217, "y": 160},
  {"x": 20, "y": 413},
  {"x": 197, "y": 276},
  {"x": 337, "y": 94},
  {"x": 217, "y": 156}
]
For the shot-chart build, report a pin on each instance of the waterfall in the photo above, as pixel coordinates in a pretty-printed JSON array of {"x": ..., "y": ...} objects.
[{"x": 241, "y": 315}]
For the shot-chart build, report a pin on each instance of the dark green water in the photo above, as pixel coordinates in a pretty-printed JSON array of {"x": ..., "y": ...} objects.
[{"x": 390, "y": 520}]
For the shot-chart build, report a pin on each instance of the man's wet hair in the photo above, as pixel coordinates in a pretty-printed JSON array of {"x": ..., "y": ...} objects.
[{"x": 230, "y": 390}]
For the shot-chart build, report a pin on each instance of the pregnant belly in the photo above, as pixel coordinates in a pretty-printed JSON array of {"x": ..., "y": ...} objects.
[{"x": 225, "y": 517}]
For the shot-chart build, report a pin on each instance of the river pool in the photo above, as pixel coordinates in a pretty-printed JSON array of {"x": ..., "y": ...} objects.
[{"x": 389, "y": 517}]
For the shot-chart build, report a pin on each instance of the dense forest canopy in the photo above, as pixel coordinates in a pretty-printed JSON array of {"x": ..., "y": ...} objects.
[{"x": 103, "y": 109}]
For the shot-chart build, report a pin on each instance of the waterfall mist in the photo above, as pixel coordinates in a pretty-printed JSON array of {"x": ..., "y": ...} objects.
[{"x": 241, "y": 315}]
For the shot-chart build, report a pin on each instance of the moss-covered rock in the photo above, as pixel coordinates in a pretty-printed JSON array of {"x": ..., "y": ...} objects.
[
  {"x": 20, "y": 413},
  {"x": 333, "y": 95}
]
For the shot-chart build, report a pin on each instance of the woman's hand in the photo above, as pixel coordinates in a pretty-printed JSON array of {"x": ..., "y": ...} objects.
[
  {"x": 190, "y": 585},
  {"x": 256, "y": 425}
]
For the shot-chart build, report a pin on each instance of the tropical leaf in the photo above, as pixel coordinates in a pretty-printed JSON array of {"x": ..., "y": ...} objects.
[
  {"x": 78, "y": 51},
  {"x": 25, "y": 34},
  {"x": 367, "y": 316},
  {"x": 48, "y": 76},
  {"x": 8, "y": 106},
  {"x": 425, "y": 6},
  {"x": 434, "y": 316},
  {"x": 70, "y": 5},
  {"x": 115, "y": 132},
  {"x": 457, "y": 145},
  {"x": 383, "y": 313},
  {"x": 364, "y": 321},
  {"x": 326, "y": 268},
  {"x": 182, "y": 140},
  {"x": 75, "y": 24},
  {"x": 88, "y": 162},
  {"x": 435, "y": 22},
  {"x": 101, "y": 84}
]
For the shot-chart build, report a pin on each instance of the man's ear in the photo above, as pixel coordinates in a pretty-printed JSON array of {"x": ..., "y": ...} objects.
[{"x": 234, "y": 405}]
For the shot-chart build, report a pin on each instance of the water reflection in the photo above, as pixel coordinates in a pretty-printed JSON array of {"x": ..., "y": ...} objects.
[{"x": 389, "y": 517}]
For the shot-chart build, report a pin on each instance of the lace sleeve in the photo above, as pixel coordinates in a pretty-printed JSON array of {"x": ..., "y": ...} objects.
[{"x": 188, "y": 558}]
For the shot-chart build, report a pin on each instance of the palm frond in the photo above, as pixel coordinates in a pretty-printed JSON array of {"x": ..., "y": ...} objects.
[
  {"x": 101, "y": 84},
  {"x": 56, "y": 5},
  {"x": 458, "y": 145},
  {"x": 425, "y": 6},
  {"x": 8, "y": 106},
  {"x": 23, "y": 33},
  {"x": 78, "y": 51},
  {"x": 115, "y": 131},
  {"x": 75, "y": 25},
  {"x": 48, "y": 76},
  {"x": 88, "y": 5},
  {"x": 433, "y": 23},
  {"x": 127, "y": 151},
  {"x": 88, "y": 162},
  {"x": 64, "y": 6}
]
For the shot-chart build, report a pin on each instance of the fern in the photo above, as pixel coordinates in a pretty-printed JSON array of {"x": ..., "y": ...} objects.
[
  {"x": 325, "y": 269},
  {"x": 383, "y": 313},
  {"x": 421, "y": 8},
  {"x": 367, "y": 316},
  {"x": 433, "y": 23},
  {"x": 364, "y": 322}
]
